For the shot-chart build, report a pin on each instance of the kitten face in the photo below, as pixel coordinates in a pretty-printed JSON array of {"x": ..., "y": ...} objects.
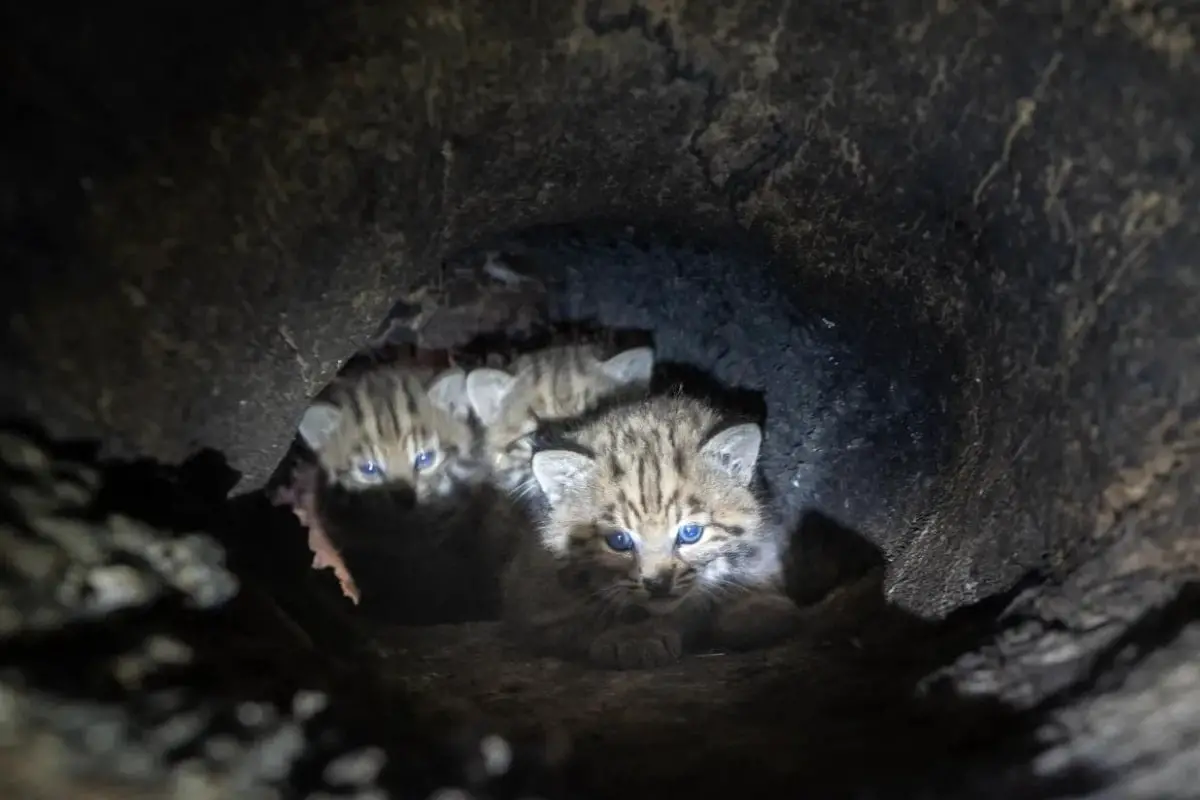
[
  {"x": 552, "y": 384},
  {"x": 396, "y": 427},
  {"x": 662, "y": 508}
]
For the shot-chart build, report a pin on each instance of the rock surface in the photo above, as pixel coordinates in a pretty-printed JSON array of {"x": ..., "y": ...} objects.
[
  {"x": 1086, "y": 687},
  {"x": 129, "y": 669},
  {"x": 203, "y": 216},
  {"x": 198, "y": 245}
]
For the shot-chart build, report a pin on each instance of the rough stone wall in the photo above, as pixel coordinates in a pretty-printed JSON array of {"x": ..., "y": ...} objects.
[
  {"x": 202, "y": 216},
  {"x": 205, "y": 217},
  {"x": 129, "y": 670}
]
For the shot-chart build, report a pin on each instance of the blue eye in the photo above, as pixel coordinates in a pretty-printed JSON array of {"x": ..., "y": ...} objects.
[
  {"x": 689, "y": 533},
  {"x": 424, "y": 460},
  {"x": 620, "y": 541},
  {"x": 370, "y": 469}
]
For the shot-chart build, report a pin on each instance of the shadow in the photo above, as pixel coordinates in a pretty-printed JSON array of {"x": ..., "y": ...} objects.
[
  {"x": 420, "y": 564},
  {"x": 268, "y": 547},
  {"x": 184, "y": 497},
  {"x": 992, "y": 753},
  {"x": 824, "y": 555},
  {"x": 414, "y": 564},
  {"x": 835, "y": 712},
  {"x": 743, "y": 404},
  {"x": 162, "y": 705},
  {"x": 559, "y": 333}
]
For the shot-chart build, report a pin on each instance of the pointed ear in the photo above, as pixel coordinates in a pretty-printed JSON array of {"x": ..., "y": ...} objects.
[
  {"x": 734, "y": 451},
  {"x": 319, "y": 422},
  {"x": 486, "y": 390},
  {"x": 449, "y": 393},
  {"x": 559, "y": 471},
  {"x": 630, "y": 367}
]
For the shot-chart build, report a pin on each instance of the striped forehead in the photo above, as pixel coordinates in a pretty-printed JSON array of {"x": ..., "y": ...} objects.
[
  {"x": 552, "y": 384},
  {"x": 389, "y": 411},
  {"x": 648, "y": 488}
]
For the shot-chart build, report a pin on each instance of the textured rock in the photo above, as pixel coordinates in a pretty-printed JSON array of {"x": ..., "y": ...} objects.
[
  {"x": 197, "y": 255},
  {"x": 128, "y": 670},
  {"x": 981, "y": 214},
  {"x": 60, "y": 571},
  {"x": 1081, "y": 688}
]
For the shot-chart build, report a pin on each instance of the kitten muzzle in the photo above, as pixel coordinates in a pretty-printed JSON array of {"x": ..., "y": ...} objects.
[
  {"x": 401, "y": 497},
  {"x": 660, "y": 586}
]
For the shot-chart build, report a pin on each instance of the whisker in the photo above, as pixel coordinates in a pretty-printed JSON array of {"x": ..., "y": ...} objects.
[
  {"x": 609, "y": 592},
  {"x": 722, "y": 588},
  {"x": 524, "y": 489}
]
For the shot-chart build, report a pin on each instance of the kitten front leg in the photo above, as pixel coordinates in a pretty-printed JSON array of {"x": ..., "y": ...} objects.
[
  {"x": 563, "y": 632},
  {"x": 541, "y": 613},
  {"x": 756, "y": 619},
  {"x": 641, "y": 645},
  {"x": 650, "y": 641}
]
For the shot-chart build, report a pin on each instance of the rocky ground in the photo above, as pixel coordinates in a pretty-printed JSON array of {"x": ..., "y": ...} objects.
[
  {"x": 202, "y": 217},
  {"x": 137, "y": 663}
]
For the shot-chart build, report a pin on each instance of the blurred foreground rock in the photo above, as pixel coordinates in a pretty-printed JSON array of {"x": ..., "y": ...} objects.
[{"x": 130, "y": 666}]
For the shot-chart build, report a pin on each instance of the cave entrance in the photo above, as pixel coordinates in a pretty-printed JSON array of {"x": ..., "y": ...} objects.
[
  {"x": 858, "y": 400},
  {"x": 972, "y": 327}
]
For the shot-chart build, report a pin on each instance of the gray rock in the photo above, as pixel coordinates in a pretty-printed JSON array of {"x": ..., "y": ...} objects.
[{"x": 954, "y": 245}]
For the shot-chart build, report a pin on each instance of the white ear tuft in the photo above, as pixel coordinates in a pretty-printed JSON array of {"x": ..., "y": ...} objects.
[
  {"x": 449, "y": 393},
  {"x": 734, "y": 451},
  {"x": 630, "y": 367},
  {"x": 559, "y": 471},
  {"x": 319, "y": 422},
  {"x": 486, "y": 391}
]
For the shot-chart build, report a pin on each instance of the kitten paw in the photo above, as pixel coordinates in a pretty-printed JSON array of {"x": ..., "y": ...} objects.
[
  {"x": 756, "y": 620},
  {"x": 636, "y": 649}
]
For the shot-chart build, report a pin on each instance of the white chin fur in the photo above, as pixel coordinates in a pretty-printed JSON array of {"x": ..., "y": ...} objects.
[{"x": 764, "y": 568}]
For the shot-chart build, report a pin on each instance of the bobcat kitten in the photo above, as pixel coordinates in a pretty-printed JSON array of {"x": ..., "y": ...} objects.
[
  {"x": 557, "y": 383},
  {"x": 654, "y": 543},
  {"x": 430, "y": 558},
  {"x": 396, "y": 426}
]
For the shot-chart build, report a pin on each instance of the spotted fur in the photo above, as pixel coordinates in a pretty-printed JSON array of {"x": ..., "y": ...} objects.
[
  {"x": 645, "y": 471},
  {"x": 396, "y": 426},
  {"x": 553, "y": 384}
]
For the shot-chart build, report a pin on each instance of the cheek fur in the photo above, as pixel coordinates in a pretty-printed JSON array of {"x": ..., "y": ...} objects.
[
  {"x": 697, "y": 555},
  {"x": 587, "y": 547},
  {"x": 617, "y": 564},
  {"x": 712, "y": 562},
  {"x": 589, "y": 570}
]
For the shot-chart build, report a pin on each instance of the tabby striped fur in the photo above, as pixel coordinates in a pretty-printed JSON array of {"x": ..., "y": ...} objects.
[
  {"x": 554, "y": 384},
  {"x": 396, "y": 426},
  {"x": 646, "y": 470}
]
